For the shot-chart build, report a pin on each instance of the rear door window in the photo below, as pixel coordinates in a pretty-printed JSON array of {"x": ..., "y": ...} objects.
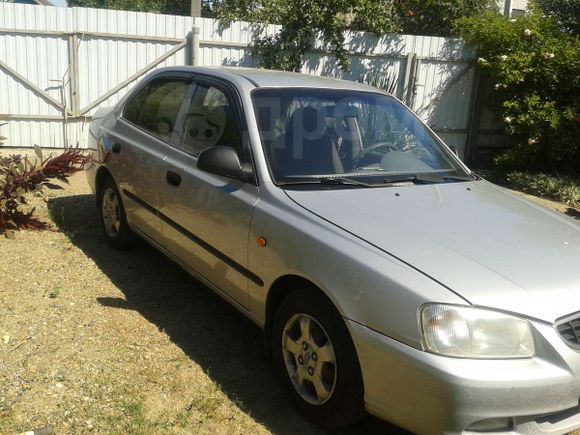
[{"x": 156, "y": 107}]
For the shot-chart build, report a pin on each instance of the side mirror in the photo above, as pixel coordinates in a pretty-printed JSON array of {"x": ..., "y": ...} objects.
[{"x": 224, "y": 161}]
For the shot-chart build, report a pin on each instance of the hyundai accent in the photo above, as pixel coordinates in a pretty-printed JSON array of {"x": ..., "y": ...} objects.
[{"x": 388, "y": 278}]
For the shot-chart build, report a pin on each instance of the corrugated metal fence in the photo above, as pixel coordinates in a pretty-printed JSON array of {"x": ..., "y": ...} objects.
[{"x": 58, "y": 65}]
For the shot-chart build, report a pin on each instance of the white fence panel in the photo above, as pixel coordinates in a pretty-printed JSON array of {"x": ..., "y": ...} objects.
[
  {"x": 91, "y": 51},
  {"x": 39, "y": 60},
  {"x": 228, "y": 46},
  {"x": 104, "y": 62},
  {"x": 101, "y": 54}
]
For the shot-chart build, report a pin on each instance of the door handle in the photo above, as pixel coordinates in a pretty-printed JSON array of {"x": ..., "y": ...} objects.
[
  {"x": 173, "y": 178},
  {"x": 116, "y": 148}
]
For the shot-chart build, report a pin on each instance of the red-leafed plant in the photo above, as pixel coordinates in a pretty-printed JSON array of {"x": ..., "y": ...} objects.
[{"x": 20, "y": 176}]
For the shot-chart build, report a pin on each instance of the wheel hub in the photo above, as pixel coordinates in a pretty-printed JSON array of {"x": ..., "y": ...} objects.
[{"x": 306, "y": 357}]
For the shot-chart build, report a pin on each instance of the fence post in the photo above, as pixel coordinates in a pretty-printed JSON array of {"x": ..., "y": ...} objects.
[
  {"x": 507, "y": 8},
  {"x": 194, "y": 47},
  {"x": 405, "y": 92},
  {"x": 196, "y": 8},
  {"x": 473, "y": 120},
  {"x": 74, "y": 73},
  {"x": 414, "y": 78},
  {"x": 409, "y": 82}
]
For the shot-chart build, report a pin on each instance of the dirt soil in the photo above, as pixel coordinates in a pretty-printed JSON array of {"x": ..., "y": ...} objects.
[{"x": 94, "y": 340}]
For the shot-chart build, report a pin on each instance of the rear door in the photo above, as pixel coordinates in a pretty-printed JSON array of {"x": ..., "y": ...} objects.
[
  {"x": 205, "y": 217},
  {"x": 139, "y": 143}
]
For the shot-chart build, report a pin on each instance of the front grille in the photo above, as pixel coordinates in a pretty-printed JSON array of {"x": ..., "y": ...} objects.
[{"x": 569, "y": 329}]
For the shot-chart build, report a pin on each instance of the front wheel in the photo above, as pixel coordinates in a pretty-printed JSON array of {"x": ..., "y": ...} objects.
[
  {"x": 113, "y": 217},
  {"x": 315, "y": 356}
]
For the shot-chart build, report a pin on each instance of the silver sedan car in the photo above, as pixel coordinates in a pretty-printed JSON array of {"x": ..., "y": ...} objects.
[{"x": 387, "y": 277}]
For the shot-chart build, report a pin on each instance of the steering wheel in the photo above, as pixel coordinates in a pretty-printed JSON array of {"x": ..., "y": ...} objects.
[{"x": 366, "y": 151}]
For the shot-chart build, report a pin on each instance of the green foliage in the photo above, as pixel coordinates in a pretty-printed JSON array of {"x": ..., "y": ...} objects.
[
  {"x": 131, "y": 5},
  {"x": 175, "y": 7},
  {"x": 19, "y": 177},
  {"x": 534, "y": 67},
  {"x": 562, "y": 189},
  {"x": 565, "y": 12},
  {"x": 437, "y": 17},
  {"x": 302, "y": 20}
]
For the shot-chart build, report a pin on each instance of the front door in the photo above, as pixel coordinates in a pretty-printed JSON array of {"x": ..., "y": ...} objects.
[{"x": 205, "y": 217}]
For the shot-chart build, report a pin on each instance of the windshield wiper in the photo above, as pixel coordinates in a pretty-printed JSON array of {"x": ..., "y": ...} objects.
[
  {"x": 352, "y": 181},
  {"x": 426, "y": 179},
  {"x": 460, "y": 178},
  {"x": 345, "y": 181},
  {"x": 328, "y": 181}
]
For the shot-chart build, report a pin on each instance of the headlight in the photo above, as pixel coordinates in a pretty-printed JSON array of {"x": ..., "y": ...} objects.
[{"x": 469, "y": 332}]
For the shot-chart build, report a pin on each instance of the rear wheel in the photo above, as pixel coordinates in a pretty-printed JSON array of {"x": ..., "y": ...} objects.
[
  {"x": 113, "y": 217},
  {"x": 315, "y": 356}
]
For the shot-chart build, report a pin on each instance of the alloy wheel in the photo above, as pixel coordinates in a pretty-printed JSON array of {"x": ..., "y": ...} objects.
[
  {"x": 111, "y": 212},
  {"x": 309, "y": 358}
]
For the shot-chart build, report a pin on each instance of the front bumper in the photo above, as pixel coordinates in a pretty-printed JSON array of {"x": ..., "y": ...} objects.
[{"x": 428, "y": 393}]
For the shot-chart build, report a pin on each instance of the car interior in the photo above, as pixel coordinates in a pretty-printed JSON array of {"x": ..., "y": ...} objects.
[{"x": 318, "y": 141}]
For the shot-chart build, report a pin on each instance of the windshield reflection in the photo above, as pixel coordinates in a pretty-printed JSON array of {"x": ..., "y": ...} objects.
[{"x": 310, "y": 133}]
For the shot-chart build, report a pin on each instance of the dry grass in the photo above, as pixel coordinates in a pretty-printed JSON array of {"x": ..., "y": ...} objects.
[{"x": 98, "y": 341}]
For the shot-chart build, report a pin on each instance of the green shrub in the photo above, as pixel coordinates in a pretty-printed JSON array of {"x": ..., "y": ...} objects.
[
  {"x": 534, "y": 67},
  {"x": 565, "y": 12}
]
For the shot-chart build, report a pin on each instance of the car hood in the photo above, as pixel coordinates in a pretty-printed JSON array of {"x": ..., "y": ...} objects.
[{"x": 487, "y": 245}]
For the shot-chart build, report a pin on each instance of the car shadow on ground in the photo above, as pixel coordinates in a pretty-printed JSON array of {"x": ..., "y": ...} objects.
[{"x": 222, "y": 341}]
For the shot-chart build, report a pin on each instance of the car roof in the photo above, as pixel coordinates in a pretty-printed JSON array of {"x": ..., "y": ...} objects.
[{"x": 264, "y": 78}]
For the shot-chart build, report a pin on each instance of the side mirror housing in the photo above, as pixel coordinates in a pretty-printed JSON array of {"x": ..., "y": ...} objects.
[{"x": 224, "y": 161}]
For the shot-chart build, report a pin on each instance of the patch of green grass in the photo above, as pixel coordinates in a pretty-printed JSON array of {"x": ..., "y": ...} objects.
[
  {"x": 209, "y": 400},
  {"x": 57, "y": 215},
  {"x": 55, "y": 293},
  {"x": 132, "y": 420},
  {"x": 135, "y": 417}
]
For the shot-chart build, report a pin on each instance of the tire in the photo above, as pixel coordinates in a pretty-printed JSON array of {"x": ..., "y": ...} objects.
[
  {"x": 113, "y": 217},
  {"x": 330, "y": 394}
]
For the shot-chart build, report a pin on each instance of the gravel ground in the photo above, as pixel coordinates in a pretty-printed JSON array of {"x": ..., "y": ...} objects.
[{"x": 98, "y": 341}]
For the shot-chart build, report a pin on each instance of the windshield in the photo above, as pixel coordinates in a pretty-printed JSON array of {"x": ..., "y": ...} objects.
[{"x": 313, "y": 134}]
